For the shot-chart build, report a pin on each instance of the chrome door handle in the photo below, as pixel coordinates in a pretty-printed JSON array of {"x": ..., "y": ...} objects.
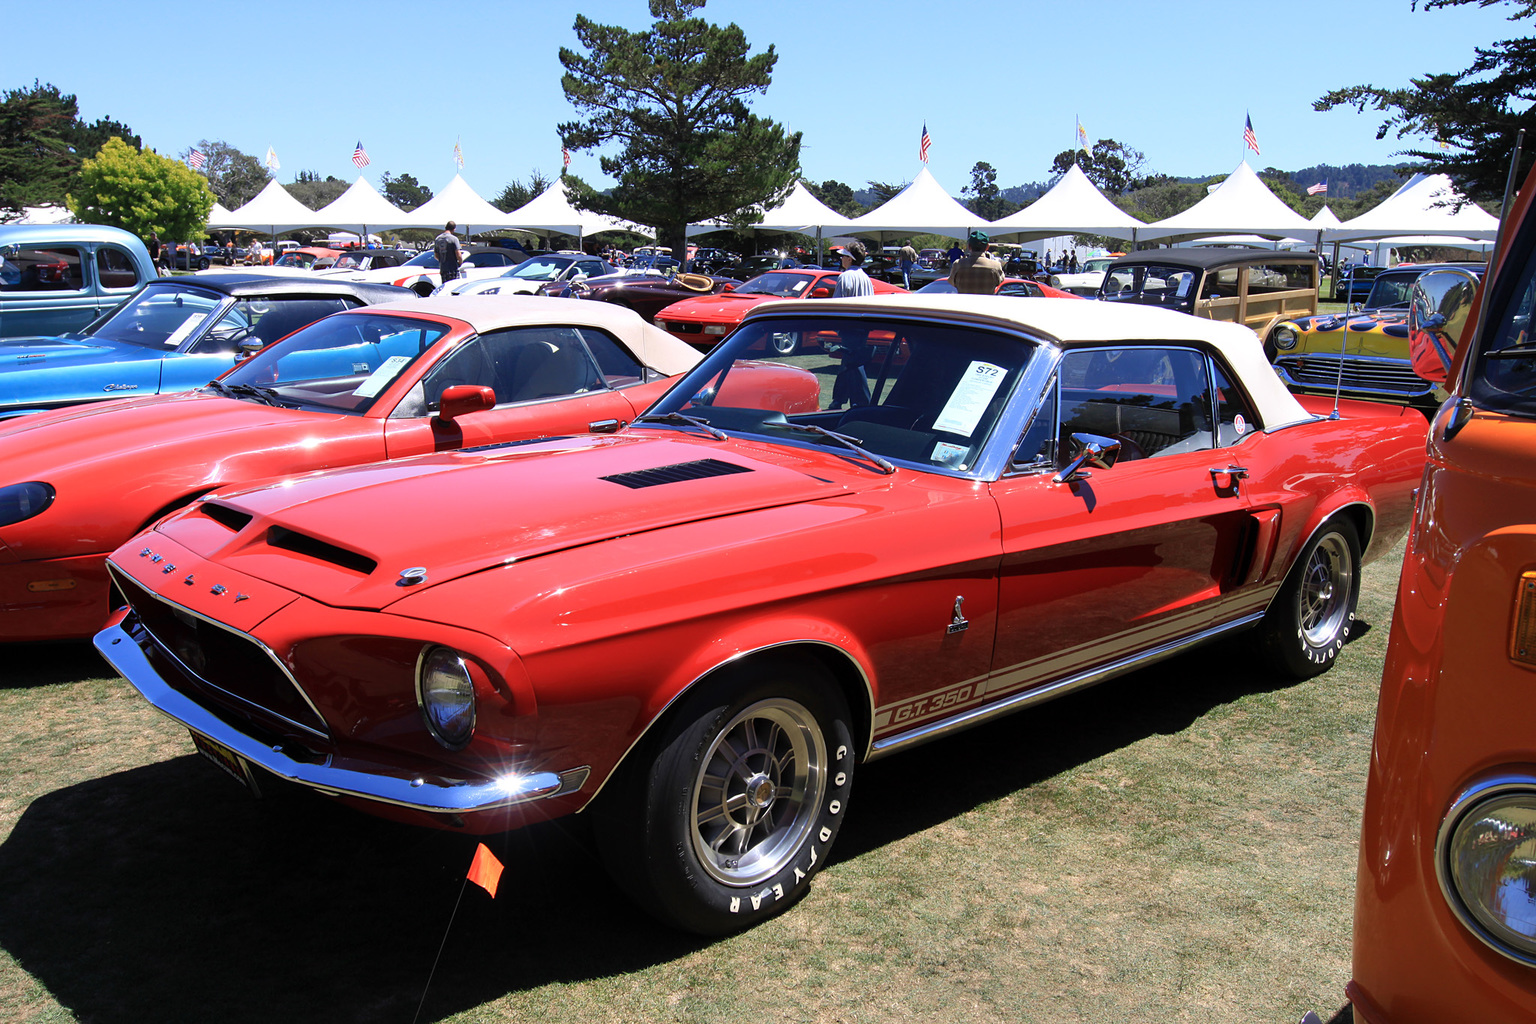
[{"x": 1233, "y": 475}]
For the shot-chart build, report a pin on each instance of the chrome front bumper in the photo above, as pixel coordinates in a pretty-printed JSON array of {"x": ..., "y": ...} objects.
[{"x": 333, "y": 775}]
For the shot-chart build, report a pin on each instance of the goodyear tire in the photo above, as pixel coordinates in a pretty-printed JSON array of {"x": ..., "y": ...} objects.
[
  {"x": 1310, "y": 620},
  {"x": 739, "y": 801}
]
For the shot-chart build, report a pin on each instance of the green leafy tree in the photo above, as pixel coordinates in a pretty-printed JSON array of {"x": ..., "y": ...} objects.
[
  {"x": 235, "y": 177},
  {"x": 836, "y": 195},
  {"x": 404, "y": 191},
  {"x": 1162, "y": 197},
  {"x": 984, "y": 198},
  {"x": 673, "y": 100},
  {"x": 43, "y": 141},
  {"x": 1472, "y": 116},
  {"x": 141, "y": 191},
  {"x": 309, "y": 189},
  {"x": 516, "y": 193},
  {"x": 884, "y": 192},
  {"x": 1113, "y": 166}
]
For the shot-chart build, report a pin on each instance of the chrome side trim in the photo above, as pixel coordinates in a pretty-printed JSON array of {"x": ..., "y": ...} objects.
[
  {"x": 1469, "y": 798},
  {"x": 1050, "y": 691},
  {"x": 113, "y": 570},
  {"x": 869, "y": 697},
  {"x": 337, "y": 776}
]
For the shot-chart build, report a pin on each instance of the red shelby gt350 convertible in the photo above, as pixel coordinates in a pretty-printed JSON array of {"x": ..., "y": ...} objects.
[
  {"x": 384, "y": 382},
  {"x": 698, "y": 628}
]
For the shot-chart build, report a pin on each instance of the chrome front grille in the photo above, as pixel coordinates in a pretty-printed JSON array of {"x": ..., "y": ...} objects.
[
  {"x": 220, "y": 659},
  {"x": 1373, "y": 376}
]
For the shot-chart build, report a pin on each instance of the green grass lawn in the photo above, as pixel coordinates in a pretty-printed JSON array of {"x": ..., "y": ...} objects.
[{"x": 1175, "y": 845}]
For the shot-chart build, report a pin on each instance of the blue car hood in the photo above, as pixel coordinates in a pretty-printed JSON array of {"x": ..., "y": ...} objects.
[{"x": 67, "y": 350}]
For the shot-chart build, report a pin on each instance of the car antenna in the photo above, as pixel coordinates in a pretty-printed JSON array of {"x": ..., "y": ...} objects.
[{"x": 1338, "y": 381}]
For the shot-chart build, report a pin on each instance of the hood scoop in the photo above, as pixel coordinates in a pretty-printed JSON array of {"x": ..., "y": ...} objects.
[{"x": 676, "y": 473}]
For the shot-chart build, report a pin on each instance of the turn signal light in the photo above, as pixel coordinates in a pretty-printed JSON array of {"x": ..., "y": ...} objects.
[{"x": 1522, "y": 643}]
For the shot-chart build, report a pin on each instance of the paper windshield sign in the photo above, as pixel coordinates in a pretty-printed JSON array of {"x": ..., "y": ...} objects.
[
  {"x": 378, "y": 379},
  {"x": 965, "y": 407},
  {"x": 188, "y": 325}
]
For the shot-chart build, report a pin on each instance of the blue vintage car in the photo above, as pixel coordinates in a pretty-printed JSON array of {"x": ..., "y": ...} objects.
[
  {"x": 59, "y": 277},
  {"x": 1353, "y": 282},
  {"x": 176, "y": 334}
]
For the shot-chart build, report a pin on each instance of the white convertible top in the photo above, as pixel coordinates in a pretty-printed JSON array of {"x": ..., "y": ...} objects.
[
  {"x": 1072, "y": 322},
  {"x": 651, "y": 345}
]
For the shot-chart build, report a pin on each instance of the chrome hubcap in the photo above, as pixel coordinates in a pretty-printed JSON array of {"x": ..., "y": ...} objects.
[
  {"x": 756, "y": 795},
  {"x": 1326, "y": 585}
]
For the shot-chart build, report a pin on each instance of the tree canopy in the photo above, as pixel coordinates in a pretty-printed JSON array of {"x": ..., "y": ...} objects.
[
  {"x": 984, "y": 198},
  {"x": 234, "y": 176},
  {"x": 43, "y": 142},
  {"x": 673, "y": 100},
  {"x": 516, "y": 193},
  {"x": 404, "y": 191},
  {"x": 1470, "y": 116},
  {"x": 309, "y": 189},
  {"x": 836, "y": 195},
  {"x": 1113, "y": 166},
  {"x": 141, "y": 191}
]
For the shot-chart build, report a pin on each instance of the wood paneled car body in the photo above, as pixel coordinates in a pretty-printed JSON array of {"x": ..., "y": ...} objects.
[
  {"x": 699, "y": 628},
  {"x": 1445, "y": 899},
  {"x": 387, "y": 382}
]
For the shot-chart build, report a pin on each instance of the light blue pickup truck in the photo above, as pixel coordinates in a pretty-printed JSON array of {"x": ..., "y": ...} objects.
[{"x": 56, "y": 278}]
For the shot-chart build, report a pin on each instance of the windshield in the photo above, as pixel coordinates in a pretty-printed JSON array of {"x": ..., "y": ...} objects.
[
  {"x": 538, "y": 268},
  {"x": 914, "y": 392},
  {"x": 340, "y": 364},
  {"x": 786, "y": 286},
  {"x": 1391, "y": 291},
  {"x": 161, "y": 316},
  {"x": 351, "y": 261},
  {"x": 1096, "y": 266},
  {"x": 1151, "y": 284},
  {"x": 423, "y": 259}
]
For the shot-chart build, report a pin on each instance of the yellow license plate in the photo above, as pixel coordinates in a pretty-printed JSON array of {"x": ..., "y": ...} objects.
[{"x": 237, "y": 767}]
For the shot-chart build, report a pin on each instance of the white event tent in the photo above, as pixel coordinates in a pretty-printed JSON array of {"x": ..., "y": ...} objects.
[
  {"x": 1074, "y": 205},
  {"x": 923, "y": 207},
  {"x": 1242, "y": 204},
  {"x": 551, "y": 211},
  {"x": 462, "y": 205},
  {"x": 360, "y": 208},
  {"x": 800, "y": 213},
  {"x": 1422, "y": 208},
  {"x": 272, "y": 210}
]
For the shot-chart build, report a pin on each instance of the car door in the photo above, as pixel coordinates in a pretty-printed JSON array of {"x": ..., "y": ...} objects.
[
  {"x": 1125, "y": 559},
  {"x": 546, "y": 382},
  {"x": 45, "y": 290}
]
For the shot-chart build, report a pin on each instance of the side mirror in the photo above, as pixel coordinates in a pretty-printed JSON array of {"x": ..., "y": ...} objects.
[
  {"x": 821, "y": 292},
  {"x": 12, "y": 249},
  {"x": 1437, "y": 315},
  {"x": 246, "y": 349},
  {"x": 730, "y": 287},
  {"x": 463, "y": 399},
  {"x": 1093, "y": 450}
]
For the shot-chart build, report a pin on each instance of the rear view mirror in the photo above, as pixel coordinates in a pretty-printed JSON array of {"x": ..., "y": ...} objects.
[
  {"x": 821, "y": 292},
  {"x": 1437, "y": 315},
  {"x": 463, "y": 399},
  {"x": 1088, "y": 450}
]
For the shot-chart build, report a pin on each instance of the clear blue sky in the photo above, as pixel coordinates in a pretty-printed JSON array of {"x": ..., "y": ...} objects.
[{"x": 1000, "y": 81}]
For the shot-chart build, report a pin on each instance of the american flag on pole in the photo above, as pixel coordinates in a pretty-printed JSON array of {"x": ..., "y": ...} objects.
[
  {"x": 922, "y": 146},
  {"x": 1321, "y": 188},
  {"x": 565, "y": 156},
  {"x": 1250, "y": 139},
  {"x": 360, "y": 155},
  {"x": 196, "y": 159}
]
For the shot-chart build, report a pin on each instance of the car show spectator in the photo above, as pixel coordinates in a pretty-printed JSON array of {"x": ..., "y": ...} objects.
[
  {"x": 954, "y": 253},
  {"x": 908, "y": 259},
  {"x": 976, "y": 273},
  {"x": 446, "y": 248},
  {"x": 153, "y": 245},
  {"x": 1072, "y": 262},
  {"x": 853, "y": 282},
  {"x": 852, "y": 382}
]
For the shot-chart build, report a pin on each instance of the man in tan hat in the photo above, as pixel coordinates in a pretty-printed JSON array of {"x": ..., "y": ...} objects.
[{"x": 976, "y": 273}]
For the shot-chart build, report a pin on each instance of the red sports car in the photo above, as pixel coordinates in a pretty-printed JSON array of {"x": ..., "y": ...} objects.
[
  {"x": 703, "y": 321},
  {"x": 395, "y": 380},
  {"x": 697, "y": 629}
]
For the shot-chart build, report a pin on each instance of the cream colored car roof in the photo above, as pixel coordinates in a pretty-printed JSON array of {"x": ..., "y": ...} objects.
[
  {"x": 651, "y": 345},
  {"x": 1072, "y": 323}
]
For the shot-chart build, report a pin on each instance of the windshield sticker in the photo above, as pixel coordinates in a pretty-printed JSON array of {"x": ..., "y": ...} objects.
[
  {"x": 1239, "y": 424},
  {"x": 946, "y": 454},
  {"x": 188, "y": 325},
  {"x": 381, "y": 377},
  {"x": 969, "y": 401}
]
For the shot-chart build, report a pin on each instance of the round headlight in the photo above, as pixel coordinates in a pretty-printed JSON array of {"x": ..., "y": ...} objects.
[
  {"x": 446, "y": 695},
  {"x": 20, "y": 502},
  {"x": 1489, "y": 858},
  {"x": 1285, "y": 337}
]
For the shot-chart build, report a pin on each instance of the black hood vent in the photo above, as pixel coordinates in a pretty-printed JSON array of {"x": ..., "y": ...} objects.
[
  {"x": 676, "y": 473},
  {"x": 289, "y": 540}
]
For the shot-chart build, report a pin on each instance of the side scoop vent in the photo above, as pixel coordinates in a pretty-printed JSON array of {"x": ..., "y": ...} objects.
[
  {"x": 676, "y": 473},
  {"x": 231, "y": 518},
  {"x": 288, "y": 540}
]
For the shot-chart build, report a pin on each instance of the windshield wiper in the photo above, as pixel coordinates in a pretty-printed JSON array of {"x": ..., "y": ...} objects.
[
  {"x": 222, "y": 388},
  {"x": 267, "y": 396},
  {"x": 1513, "y": 351},
  {"x": 849, "y": 442},
  {"x": 684, "y": 420}
]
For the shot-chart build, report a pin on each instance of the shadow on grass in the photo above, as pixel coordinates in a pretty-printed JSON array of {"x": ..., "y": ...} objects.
[
  {"x": 162, "y": 893},
  {"x": 44, "y": 664}
]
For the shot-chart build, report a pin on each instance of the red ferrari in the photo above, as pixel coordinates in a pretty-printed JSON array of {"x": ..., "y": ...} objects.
[{"x": 703, "y": 321}]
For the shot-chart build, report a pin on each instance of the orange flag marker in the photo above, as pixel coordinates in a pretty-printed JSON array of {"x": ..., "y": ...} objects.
[{"x": 485, "y": 870}]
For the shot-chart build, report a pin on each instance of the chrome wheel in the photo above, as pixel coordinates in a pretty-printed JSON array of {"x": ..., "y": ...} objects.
[
  {"x": 1326, "y": 586},
  {"x": 758, "y": 792},
  {"x": 786, "y": 343}
]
